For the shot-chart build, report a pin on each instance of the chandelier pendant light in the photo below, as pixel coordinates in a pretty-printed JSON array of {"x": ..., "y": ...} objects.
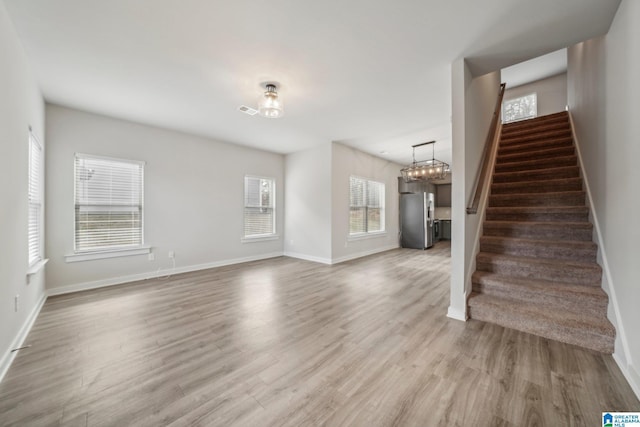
[
  {"x": 425, "y": 170},
  {"x": 270, "y": 105}
]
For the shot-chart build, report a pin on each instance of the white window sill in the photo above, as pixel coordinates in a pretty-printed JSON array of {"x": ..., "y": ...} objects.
[
  {"x": 364, "y": 236},
  {"x": 36, "y": 267},
  {"x": 112, "y": 253},
  {"x": 263, "y": 238}
]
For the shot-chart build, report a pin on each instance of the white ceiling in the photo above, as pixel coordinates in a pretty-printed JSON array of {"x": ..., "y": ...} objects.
[{"x": 372, "y": 74}]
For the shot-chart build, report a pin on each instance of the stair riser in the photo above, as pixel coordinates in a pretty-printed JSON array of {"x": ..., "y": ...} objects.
[
  {"x": 535, "y": 130},
  {"x": 540, "y": 128},
  {"x": 569, "y": 184},
  {"x": 533, "y": 123},
  {"x": 542, "y": 199},
  {"x": 564, "y": 274},
  {"x": 540, "y": 155},
  {"x": 537, "y": 174},
  {"x": 536, "y": 165},
  {"x": 548, "y": 250},
  {"x": 536, "y": 216},
  {"x": 540, "y": 233},
  {"x": 536, "y": 326},
  {"x": 590, "y": 306},
  {"x": 541, "y": 136},
  {"x": 535, "y": 146}
]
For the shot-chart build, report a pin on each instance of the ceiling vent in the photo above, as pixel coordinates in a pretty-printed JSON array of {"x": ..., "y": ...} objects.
[{"x": 248, "y": 110}]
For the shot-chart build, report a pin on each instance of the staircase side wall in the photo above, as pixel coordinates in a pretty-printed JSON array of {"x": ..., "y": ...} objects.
[
  {"x": 603, "y": 93},
  {"x": 473, "y": 101}
]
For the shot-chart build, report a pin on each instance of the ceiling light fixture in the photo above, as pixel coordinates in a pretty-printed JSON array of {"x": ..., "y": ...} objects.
[
  {"x": 270, "y": 105},
  {"x": 425, "y": 170}
]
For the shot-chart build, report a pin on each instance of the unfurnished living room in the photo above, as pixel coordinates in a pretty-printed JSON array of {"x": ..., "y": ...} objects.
[{"x": 292, "y": 213}]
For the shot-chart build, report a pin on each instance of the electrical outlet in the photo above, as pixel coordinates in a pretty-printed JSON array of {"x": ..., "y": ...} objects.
[
  {"x": 172, "y": 254},
  {"x": 16, "y": 303},
  {"x": 152, "y": 256}
]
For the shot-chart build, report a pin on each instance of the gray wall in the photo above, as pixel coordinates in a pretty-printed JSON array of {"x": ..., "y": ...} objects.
[
  {"x": 603, "y": 90},
  {"x": 551, "y": 93},
  {"x": 194, "y": 189},
  {"x": 21, "y": 106},
  {"x": 317, "y": 203},
  {"x": 473, "y": 102},
  {"x": 308, "y": 204},
  {"x": 348, "y": 161}
]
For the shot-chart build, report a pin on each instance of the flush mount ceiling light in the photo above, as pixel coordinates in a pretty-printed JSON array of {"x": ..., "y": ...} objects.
[
  {"x": 425, "y": 170},
  {"x": 270, "y": 104}
]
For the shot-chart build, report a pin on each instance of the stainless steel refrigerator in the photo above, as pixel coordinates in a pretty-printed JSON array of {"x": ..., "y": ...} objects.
[{"x": 416, "y": 220}]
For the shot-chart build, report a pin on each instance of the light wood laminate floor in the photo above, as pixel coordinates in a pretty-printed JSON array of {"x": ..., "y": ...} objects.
[{"x": 285, "y": 342}]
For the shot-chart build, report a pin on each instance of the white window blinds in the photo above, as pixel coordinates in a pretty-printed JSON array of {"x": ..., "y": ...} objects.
[
  {"x": 108, "y": 203},
  {"x": 366, "y": 206},
  {"x": 259, "y": 206},
  {"x": 525, "y": 107},
  {"x": 36, "y": 164}
]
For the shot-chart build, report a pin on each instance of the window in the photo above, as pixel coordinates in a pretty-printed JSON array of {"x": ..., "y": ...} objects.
[
  {"x": 108, "y": 203},
  {"x": 366, "y": 206},
  {"x": 35, "y": 201},
  {"x": 259, "y": 207},
  {"x": 525, "y": 107}
]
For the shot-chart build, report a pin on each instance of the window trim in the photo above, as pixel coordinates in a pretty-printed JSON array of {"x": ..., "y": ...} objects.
[
  {"x": 266, "y": 236},
  {"x": 113, "y": 251},
  {"x": 110, "y": 253},
  {"x": 383, "y": 220},
  {"x": 36, "y": 264},
  {"x": 367, "y": 235}
]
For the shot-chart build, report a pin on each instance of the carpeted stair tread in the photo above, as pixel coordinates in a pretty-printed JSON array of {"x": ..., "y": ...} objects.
[
  {"x": 580, "y": 273},
  {"x": 544, "y": 127},
  {"x": 537, "y": 268},
  {"x": 539, "y": 155},
  {"x": 560, "y": 198},
  {"x": 536, "y": 146},
  {"x": 538, "y": 213},
  {"x": 524, "y": 125},
  {"x": 564, "y": 296},
  {"x": 555, "y": 249},
  {"x": 529, "y": 165},
  {"x": 540, "y": 230},
  {"x": 538, "y": 186},
  {"x": 535, "y": 135},
  {"x": 578, "y": 329},
  {"x": 537, "y": 174},
  {"x": 537, "y": 121}
]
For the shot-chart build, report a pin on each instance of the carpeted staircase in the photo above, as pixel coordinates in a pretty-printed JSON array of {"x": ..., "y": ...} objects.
[{"x": 536, "y": 270}]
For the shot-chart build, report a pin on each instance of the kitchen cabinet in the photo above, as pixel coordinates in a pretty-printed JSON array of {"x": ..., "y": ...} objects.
[
  {"x": 445, "y": 229},
  {"x": 416, "y": 187},
  {"x": 443, "y": 196}
]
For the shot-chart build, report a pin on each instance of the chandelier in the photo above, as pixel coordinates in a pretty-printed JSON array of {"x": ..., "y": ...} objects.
[
  {"x": 269, "y": 104},
  {"x": 425, "y": 170}
]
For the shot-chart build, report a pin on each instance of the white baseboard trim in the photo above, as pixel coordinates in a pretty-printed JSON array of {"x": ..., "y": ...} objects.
[
  {"x": 18, "y": 341},
  {"x": 630, "y": 374},
  {"x": 307, "y": 257},
  {"x": 151, "y": 275},
  {"x": 363, "y": 254},
  {"x": 456, "y": 314},
  {"x": 340, "y": 259}
]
